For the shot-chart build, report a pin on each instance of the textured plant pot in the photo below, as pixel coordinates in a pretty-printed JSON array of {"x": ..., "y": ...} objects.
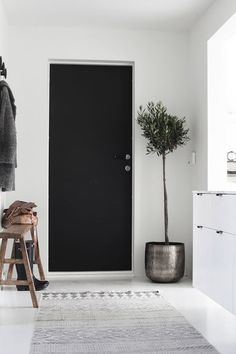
[{"x": 164, "y": 264}]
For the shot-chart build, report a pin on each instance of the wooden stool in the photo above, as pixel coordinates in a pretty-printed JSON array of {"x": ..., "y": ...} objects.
[{"x": 18, "y": 232}]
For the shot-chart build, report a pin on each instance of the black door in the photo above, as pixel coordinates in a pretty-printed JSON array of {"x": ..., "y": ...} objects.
[{"x": 90, "y": 175}]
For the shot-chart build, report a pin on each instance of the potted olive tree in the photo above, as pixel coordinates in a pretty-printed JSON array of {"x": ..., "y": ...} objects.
[{"x": 164, "y": 261}]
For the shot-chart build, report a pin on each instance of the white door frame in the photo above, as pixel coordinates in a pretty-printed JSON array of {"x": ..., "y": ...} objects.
[{"x": 107, "y": 274}]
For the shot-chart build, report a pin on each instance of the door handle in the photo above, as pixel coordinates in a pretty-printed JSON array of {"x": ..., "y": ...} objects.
[
  {"x": 219, "y": 232},
  {"x": 122, "y": 156}
]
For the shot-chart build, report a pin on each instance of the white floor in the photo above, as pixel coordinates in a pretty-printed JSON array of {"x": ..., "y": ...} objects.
[{"x": 217, "y": 325}]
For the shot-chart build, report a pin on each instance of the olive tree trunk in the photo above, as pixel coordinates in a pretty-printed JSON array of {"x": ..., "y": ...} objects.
[{"x": 165, "y": 200}]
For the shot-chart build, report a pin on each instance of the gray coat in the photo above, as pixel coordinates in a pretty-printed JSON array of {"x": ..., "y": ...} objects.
[{"x": 7, "y": 138}]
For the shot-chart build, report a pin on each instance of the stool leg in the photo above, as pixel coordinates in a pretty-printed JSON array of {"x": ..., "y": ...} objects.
[
  {"x": 11, "y": 266},
  {"x": 40, "y": 267},
  {"x": 34, "y": 235},
  {"x": 2, "y": 255},
  {"x": 28, "y": 273}
]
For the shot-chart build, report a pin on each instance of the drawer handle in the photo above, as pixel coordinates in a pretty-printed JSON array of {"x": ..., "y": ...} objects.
[
  {"x": 219, "y": 194},
  {"x": 219, "y": 232},
  {"x": 199, "y": 226},
  {"x": 199, "y": 193}
]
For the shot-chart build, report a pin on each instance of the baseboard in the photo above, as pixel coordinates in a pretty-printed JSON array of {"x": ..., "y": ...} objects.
[{"x": 89, "y": 275}]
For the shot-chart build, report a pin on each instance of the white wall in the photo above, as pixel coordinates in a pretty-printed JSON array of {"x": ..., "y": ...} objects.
[
  {"x": 160, "y": 60},
  {"x": 3, "y": 31},
  {"x": 164, "y": 65},
  {"x": 222, "y": 106},
  {"x": 3, "y": 53},
  {"x": 206, "y": 27}
]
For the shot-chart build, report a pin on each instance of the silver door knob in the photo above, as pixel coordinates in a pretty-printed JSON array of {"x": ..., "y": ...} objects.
[
  {"x": 127, "y": 156},
  {"x": 127, "y": 168}
]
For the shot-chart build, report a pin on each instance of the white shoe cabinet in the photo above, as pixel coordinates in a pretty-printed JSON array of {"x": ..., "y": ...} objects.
[{"x": 214, "y": 246}]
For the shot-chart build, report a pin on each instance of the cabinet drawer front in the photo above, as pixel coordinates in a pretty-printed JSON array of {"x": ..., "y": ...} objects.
[
  {"x": 213, "y": 265},
  {"x": 222, "y": 275},
  {"x": 203, "y": 213},
  {"x": 225, "y": 212},
  {"x": 202, "y": 259},
  {"x": 215, "y": 211}
]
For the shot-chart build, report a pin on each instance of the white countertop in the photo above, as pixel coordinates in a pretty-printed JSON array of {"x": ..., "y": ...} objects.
[{"x": 214, "y": 192}]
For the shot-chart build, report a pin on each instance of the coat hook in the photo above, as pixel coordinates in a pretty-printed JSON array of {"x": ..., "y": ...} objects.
[
  {"x": 3, "y": 70},
  {"x": 4, "y": 73}
]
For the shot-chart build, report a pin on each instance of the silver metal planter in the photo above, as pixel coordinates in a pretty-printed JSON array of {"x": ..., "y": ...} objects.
[{"x": 164, "y": 263}]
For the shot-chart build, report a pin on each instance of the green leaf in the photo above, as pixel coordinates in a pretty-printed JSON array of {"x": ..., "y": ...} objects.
[{"x": 163, "y": 131}]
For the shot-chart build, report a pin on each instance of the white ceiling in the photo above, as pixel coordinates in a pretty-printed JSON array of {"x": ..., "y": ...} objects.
[{"x": 137, "y": 14}]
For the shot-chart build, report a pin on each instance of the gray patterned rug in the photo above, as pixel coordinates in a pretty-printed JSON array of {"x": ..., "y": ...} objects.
[{"x": 113, "y": 322}]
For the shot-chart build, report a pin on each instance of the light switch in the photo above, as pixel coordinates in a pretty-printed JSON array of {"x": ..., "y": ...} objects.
[{"x": 193, "y": 157}]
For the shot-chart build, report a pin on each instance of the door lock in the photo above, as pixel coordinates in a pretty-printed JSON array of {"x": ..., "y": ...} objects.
[{"x": 127, "y": 168}]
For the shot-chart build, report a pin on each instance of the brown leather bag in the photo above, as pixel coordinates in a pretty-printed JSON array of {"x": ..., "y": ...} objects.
[{"x": 19, "y": 213}]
